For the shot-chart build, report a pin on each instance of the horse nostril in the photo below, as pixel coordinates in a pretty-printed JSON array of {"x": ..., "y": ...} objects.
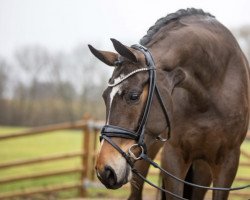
[{"x": 110, "y": 176}]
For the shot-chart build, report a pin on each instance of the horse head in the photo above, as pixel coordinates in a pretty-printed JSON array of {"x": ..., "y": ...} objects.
[{"x": 125, "y": 99}]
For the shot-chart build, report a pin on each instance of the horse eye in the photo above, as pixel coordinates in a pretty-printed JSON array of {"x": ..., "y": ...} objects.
[{"x": 134, "y": 96}]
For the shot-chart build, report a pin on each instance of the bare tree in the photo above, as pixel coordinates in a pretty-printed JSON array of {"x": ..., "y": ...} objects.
[
  {"x": 3, "y": 77},
  {"x": 33, "y": 61},
  {"x": 3, "y": 83},
  {"x": 49, "y": 88},
  {"x": 92, "y": 81}
]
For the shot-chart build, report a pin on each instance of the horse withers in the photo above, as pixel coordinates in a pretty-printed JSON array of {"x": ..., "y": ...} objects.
[{"x": 203, "y": 78}]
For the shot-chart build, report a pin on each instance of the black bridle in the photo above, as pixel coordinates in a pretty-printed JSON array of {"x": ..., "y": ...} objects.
[
  {"x": 109, "y": 131},
  {"x": 115, "y": 131}
]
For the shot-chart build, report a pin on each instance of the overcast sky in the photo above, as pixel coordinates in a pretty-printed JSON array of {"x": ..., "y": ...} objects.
[{"x": 63, "y": 24}]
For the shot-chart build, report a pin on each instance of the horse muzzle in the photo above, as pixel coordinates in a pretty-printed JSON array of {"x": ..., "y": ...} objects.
[
  {"x": 108, "y": 178},
  {"x": 113, "y": 179},
  {"x": 112, "y": 168}
]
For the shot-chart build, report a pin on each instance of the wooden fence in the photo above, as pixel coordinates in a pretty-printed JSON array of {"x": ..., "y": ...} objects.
[
  {"x": 87, "y": 155},
  {"x": 90, "y": 130}
]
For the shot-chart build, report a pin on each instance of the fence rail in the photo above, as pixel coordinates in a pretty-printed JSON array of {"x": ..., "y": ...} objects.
[
  {"x": 49, "y": 189},
  {"x": 41, "y": 159},
  {"x": 86, "y": 126},
  {"x": 90, "y": 130},
  {"x": 50, "y": 128},
  {"x": 39, "y": 175}
]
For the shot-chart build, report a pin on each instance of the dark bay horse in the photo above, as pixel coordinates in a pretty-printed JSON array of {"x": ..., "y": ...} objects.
[{"x": 203, "y": 77}]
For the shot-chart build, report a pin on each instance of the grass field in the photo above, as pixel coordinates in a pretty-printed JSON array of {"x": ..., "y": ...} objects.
[
  {"x": 53, "y": 143},
  {"x": 37, "y": 146}
]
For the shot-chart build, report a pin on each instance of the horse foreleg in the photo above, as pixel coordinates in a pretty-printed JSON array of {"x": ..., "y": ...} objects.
[
  {"x": 224, "y": 173},
  {"x": 173, "y": 162},
  {"x": 143, "y": 167},
  {"x": 200, "y": 175},
  {"x": 136, "y": 183}
]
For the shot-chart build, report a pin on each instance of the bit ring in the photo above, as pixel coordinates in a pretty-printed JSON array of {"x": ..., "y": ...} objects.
[{"x": 132, "y": 155}]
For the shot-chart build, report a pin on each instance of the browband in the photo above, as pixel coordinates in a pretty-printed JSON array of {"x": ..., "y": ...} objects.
[{"x": 127, "y": 76}]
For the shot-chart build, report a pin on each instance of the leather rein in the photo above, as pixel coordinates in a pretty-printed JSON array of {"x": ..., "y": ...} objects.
[{"x": 109, "y": 131}]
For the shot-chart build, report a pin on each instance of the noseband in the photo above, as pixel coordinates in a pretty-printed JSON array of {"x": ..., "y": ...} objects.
[{"x": 109, "y": 131}]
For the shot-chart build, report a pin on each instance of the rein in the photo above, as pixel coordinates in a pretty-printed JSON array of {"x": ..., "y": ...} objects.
[{"x": 109, "y": 131}]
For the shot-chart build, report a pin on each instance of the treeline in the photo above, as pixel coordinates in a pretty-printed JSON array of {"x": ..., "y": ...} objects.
[{"x": 39, "y": 87}]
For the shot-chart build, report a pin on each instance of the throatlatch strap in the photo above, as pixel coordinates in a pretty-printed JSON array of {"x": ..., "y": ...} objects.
[{"x": 164, "y": 110}]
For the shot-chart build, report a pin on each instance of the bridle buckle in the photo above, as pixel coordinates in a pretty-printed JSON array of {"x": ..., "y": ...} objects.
[{"x": 132, "y": 155}]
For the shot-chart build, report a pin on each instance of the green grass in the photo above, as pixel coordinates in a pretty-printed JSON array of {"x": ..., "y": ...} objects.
[
  {"x": 54, "y": 143},
  {"x": 37, "y": 146},
  {"x": 244, "y": 171}
]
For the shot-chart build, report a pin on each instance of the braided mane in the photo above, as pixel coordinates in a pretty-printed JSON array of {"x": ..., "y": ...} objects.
[{"x": 170, "y": 17}]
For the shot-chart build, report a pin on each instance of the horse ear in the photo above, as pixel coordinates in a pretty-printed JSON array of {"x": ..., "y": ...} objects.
[
  {"x": 123, "y": 50},
  {"x": 177, "y": 77},
  {"x": 107, "y": 57}
]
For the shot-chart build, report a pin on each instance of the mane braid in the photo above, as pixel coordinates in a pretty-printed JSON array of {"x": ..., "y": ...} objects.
[{"x": 170, "y": 17}]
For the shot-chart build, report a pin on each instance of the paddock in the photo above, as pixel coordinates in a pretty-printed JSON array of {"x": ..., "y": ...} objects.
[{"x": 86, "y": 182}]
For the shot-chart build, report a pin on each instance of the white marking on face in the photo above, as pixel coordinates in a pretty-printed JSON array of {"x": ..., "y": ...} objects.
[
  {"x": 116, "y": 89},
  {"x": 101, "y": 144},
  {"x": 120, "y": 168}
]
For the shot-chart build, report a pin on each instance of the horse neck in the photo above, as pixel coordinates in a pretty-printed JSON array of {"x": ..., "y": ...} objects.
[{"x": 170, "y": 57}]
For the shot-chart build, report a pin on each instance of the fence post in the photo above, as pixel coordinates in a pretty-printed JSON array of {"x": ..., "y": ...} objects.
[
  {"x": 94, "y": 147},
  {"x": 85, "y": 158}
]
